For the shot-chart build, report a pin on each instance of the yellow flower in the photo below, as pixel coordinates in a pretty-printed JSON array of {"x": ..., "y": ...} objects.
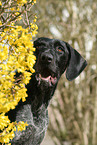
[
  {"x": 16, "y": 53},
  {"x": 0, "y": 3},
  {"x": 34, "y": 1},
  {"x": 21, "y": 1},
  {"x": 21, "y": 126},
  {"x": 12, "y": 9},
  {"x": 0, "y": 23}
]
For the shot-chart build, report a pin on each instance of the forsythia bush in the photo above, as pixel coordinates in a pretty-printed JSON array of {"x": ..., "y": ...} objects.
[{"x": 16, "y": 53}]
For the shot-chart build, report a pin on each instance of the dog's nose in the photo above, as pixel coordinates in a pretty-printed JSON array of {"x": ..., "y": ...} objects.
[{"x": 46, "y": 58}]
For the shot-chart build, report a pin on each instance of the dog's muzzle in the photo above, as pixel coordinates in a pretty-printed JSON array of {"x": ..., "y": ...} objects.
[
  {"x": 46, "y": 75},
  {"x": 51, "y": 80}
]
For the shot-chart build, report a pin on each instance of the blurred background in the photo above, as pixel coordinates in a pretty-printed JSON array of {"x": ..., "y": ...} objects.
[{"x": 73, "y": 109}]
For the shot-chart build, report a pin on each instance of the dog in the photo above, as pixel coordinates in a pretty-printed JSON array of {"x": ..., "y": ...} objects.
[{"x": 53, "y": 58}]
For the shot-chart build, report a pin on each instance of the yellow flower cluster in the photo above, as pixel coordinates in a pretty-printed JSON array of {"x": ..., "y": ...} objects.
[
  {"x": 8, "y": 133},
  {"x": 0, "y": 3},
  {"x": 16, "y": 53},
  {"x": 21, "y": 2}
]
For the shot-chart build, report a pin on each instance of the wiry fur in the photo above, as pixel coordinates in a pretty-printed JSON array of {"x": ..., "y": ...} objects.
[{"x": 53, "y": 57}]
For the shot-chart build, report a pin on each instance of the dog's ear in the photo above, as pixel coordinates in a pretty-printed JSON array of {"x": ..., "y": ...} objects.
[{"x": 76, "y": 64}]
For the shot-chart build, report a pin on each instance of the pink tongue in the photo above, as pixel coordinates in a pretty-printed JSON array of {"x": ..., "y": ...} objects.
[
  {"x": 49, "y": 79},
  {"x": 46, "y": 79},
  {"x": 53, "y": 80}
]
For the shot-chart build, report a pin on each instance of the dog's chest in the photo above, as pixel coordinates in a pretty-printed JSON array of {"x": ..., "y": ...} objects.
[{"x": 37, "y": 126}]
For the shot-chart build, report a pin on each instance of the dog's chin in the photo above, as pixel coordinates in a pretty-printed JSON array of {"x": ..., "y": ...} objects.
[{"x": 48, "y": 80}]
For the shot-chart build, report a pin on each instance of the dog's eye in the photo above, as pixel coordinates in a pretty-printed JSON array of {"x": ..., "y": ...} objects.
[{"x": 60, "y": 49}]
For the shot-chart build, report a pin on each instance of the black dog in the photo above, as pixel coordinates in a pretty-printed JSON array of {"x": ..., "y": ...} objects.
[{"x": 53, "y": 58}]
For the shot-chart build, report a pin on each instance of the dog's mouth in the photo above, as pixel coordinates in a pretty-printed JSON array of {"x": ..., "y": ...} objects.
[{"x": 47, "y": 76}]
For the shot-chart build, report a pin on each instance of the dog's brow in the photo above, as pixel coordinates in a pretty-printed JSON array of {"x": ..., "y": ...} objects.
[
  {"x": 42, "y": 43},
  {"x": 57, "y": 43}
]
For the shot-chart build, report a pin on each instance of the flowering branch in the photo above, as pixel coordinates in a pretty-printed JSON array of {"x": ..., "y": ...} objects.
[{"x": 16, "y": 53}]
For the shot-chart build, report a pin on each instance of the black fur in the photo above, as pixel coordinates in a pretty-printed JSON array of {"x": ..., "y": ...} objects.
[{"x": 53, "y": 58}]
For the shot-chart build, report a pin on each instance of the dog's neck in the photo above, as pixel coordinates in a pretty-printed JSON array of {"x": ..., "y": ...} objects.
[{"x": 39, "y": 94}]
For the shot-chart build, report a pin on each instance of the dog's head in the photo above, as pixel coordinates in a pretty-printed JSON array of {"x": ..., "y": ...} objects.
[{"x": 53, "y": 58}]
